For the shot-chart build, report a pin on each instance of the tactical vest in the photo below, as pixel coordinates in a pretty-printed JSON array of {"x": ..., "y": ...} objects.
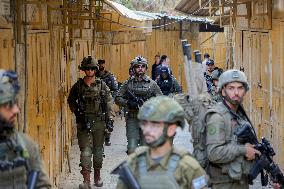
[
  {"x": 13, "y": 164},
  {"x": 142, "y": 89},
  {"x": 165, "y": 86},
  {"x": 162, "y": 179},
  {"x": 91, "y": 99},
  {"x": 232, "y": 171}
]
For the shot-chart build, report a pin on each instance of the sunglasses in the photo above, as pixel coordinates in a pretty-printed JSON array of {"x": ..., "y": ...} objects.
[{"x": 90, "y": 68}]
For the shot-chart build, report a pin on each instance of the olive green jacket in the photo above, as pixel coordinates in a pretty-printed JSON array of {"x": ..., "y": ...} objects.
[
  {"x": 31, "y": 154},
  {"x": 225, "y": 153},
  {"x": 187, "y": 169},
  {"x": 79, "y": 86}
]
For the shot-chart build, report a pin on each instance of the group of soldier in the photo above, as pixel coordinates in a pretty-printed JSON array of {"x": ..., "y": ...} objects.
[
  {"x": 152, "y": 119},
  {"x": 151, "y": 122}
]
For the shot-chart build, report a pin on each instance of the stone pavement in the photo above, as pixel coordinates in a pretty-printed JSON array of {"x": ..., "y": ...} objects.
[{"x": 116, "y": 154}]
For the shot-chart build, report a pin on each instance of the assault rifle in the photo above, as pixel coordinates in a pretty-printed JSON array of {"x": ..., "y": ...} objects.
[
  {"x": 138, "y": 100},
  {"x": 126, "y": 175},
  {"x": 264, "y": 162}
]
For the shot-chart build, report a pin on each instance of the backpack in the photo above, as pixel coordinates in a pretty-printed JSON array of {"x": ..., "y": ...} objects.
[{"x": 195, "y": 110}]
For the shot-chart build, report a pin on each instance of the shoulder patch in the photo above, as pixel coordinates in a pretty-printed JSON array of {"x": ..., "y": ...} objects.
[{"x": 199, "y": 182}]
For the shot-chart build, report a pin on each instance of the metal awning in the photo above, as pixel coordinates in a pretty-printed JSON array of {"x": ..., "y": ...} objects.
[
  {"x": 220, "y": 11},
  {"x": 143, "y": 16},
  {"x": 127, "y": 13},
  {"x": 197, "y": 7}
]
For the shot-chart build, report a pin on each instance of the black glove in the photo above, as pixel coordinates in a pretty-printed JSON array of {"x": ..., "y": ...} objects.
[
  {"x": 109, "y": 125},
  {"x": 132, "y": 104}
]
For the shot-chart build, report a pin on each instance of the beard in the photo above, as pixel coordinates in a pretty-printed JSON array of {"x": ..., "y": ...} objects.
[
  {"x": 5, "y": 125},
  {"x": 235, "y": 100},
  {"x": 139, "y": 73}
]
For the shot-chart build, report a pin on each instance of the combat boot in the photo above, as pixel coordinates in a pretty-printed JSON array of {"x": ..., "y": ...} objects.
[
  {"x": 97, "y": 178},
  {"x": 107, "y": 141},
  {"x": 87, "y": 182}
]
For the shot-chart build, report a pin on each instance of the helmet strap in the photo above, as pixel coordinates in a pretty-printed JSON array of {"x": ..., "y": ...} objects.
[{"x": 162, "y": 139}]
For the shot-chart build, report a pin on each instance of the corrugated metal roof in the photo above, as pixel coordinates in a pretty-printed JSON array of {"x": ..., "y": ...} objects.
[
  {"x": 192, "y": 7},
  {"x": 124, "y": 11},
  {"x": 142, "y": 16}
]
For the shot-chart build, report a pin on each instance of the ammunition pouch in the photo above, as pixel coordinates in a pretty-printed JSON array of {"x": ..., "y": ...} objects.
[
  {"x": 8, "y": 165},
  {"x": 217, "y": 175},
  {"x": 14, "y": 171},
  {"x": 88, "y": 121}
]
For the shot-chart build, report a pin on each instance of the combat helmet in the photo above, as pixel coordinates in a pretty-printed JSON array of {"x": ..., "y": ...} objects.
[
  {"x": 216, "y": 74},
  {"x": 162, "y": 109},
  {"x": 230, "y": 76},
  {"x": 139, "y": 60},
  {"x": 165, "y": 70},
  {"x": 210, "y": 62},
  {"x": 9, "y": 86},
  {"x": 88, "y": 62}
]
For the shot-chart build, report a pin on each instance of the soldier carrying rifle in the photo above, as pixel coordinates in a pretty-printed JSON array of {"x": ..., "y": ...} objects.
[
  {"x": 133, "y": 92},
  {"x": 90, "y": 100}
]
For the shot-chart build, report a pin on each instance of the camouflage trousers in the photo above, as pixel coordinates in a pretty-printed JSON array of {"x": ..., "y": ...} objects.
[
  {"x": 91, "y": 144},
  {"x": 133, "y": 133}
]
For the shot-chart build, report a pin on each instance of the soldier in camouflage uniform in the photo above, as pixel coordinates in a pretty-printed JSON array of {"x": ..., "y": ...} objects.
[
  {"x": 160, "y": 165},
  {"x": 229, "y": 160},
  {"x": 112, "y": 84},
  {"x": 215, "y": 79},
  {"x": 133, "y": 92},
  {"x": 167, "y": 82},
  {"x": 19, "y": 154},
  {"x": 90, "y": 101}
]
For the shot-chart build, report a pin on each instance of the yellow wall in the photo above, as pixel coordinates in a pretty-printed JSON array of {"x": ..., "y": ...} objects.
[
  {"x": 48, "y": 120},
  {"x": 261, "y": 56}
]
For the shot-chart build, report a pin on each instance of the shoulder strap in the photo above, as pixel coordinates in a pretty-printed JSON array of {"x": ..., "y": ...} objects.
[
  {"x": 173, "y": 162},
  {"x": 140, "y": 152},
  {"x": 142, "y": 166},
  {"x": 176, "y": 156},
  {"x": 25, "y": 152},
  {"x": 79, "y": 86}
]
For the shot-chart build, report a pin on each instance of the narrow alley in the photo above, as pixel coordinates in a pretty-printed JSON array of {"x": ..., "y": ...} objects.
[{"x": 115, "y": 154}]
